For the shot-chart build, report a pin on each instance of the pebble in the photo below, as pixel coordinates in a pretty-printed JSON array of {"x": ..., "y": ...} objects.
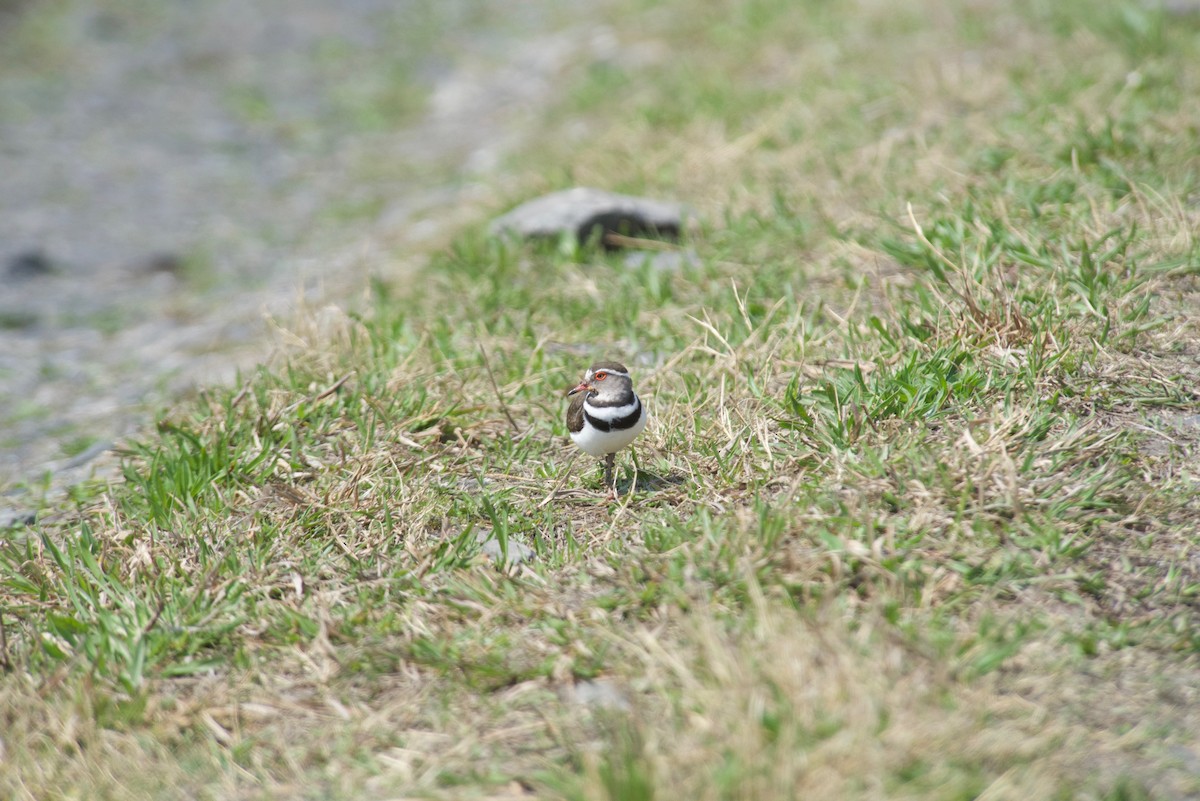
[
  {"x": 491, "y": 548},
  {"x": 598, "y": 694}
]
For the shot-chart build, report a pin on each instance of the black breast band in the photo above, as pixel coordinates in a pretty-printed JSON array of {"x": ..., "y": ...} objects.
[{"x": 620, "y": 424}]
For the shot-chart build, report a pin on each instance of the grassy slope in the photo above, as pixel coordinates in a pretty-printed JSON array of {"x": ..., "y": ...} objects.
[{"x": 915, "y": 516}]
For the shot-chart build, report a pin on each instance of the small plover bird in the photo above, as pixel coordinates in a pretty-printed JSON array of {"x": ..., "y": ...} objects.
[{"x": 605, "y": 414}]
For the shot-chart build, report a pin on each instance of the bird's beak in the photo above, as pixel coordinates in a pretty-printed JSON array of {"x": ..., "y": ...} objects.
[{"x": 583, "y": 387}]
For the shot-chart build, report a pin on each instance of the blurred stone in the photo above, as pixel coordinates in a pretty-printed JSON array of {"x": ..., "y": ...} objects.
[
  {"x": 491, "y": 548},
  {"x": 598, "y": 694},
  {"x": 583, "y": 213},
  {"x": 29, "y": 264}
]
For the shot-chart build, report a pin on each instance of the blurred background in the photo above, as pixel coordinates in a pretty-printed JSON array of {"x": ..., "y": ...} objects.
[{"x": 175, "y": 173}]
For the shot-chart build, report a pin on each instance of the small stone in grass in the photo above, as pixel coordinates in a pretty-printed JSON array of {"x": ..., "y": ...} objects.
[
  {"x": 516, "y": 552},
  {"x": 583, "y": 212},
  {"x": 598, "y": 694}
]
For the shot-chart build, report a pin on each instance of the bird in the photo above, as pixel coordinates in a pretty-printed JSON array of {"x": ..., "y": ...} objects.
[{"x": 605, "y": 414}]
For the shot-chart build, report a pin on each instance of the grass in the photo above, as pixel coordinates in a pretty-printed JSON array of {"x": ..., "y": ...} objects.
[{"x": 915, "y": 515}]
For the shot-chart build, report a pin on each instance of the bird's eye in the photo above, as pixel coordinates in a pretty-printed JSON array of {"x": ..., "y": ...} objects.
[{"x": 600, "y": 376}]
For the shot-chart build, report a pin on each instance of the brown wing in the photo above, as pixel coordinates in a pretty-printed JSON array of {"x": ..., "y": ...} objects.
[{"x": 575, "y": 413}]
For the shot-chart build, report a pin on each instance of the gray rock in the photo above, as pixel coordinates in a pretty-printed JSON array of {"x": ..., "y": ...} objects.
[
  {"x": 491, "y": 548},
  {"x": 583, "y": 212},
  {"x": 598, "y": 694}
]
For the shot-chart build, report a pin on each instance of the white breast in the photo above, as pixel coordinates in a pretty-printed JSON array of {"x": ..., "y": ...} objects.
[{"x": 599, "y": 443}]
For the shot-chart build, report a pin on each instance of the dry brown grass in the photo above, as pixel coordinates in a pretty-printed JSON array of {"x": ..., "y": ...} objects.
[{"x": 801, "y": 706}]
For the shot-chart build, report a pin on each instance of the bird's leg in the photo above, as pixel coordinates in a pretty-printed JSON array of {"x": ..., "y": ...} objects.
[{"x": 610, "y": 479}]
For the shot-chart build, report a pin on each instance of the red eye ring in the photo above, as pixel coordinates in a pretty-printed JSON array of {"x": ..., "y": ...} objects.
[{"x": 600, "y": 376}]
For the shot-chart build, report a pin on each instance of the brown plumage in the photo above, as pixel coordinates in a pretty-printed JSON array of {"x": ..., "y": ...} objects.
[{"x": 575, "y": 413}]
